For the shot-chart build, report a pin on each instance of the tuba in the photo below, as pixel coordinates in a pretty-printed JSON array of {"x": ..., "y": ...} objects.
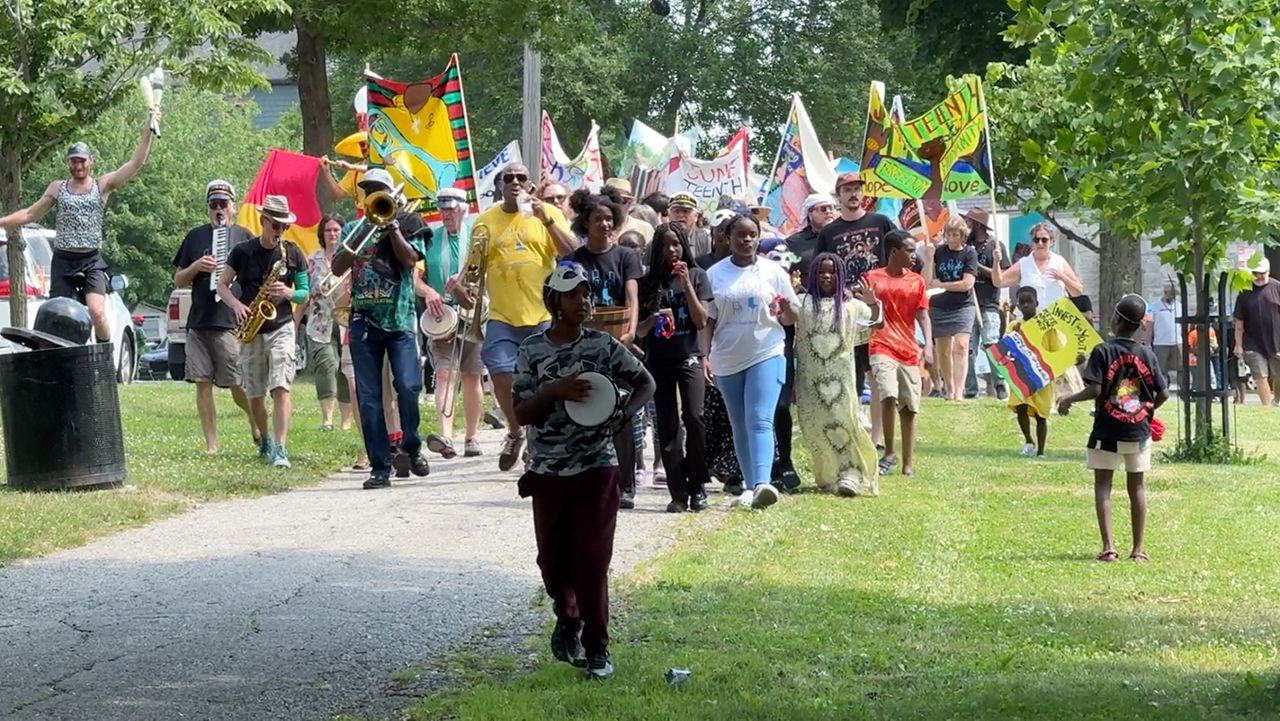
[{"x": 261, "y": 308}]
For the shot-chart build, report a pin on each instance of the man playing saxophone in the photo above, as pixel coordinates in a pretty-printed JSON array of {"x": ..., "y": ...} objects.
[
  {"x": 383, "y": 324},
  {"x": 267, "y": 360}
]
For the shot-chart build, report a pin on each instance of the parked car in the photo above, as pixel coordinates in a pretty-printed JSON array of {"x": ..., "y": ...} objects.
[
  {"x": 179, "y": 307},
  {"x": 154, "y": 364},
  {"x": 39, "y": 256}
]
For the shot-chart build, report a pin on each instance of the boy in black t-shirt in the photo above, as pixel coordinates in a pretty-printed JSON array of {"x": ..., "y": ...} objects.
[{"x": 1129, "y": 385}]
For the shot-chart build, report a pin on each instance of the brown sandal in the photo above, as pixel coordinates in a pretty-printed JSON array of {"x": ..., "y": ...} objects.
[
  {"x": 1108, "y": 556},
  {"x": 1138, "y": 556}
]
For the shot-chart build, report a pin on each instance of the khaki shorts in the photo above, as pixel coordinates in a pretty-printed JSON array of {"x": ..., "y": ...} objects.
[
  {"x": 1262, "y": 367},
  {"x": 1169, "y": 357},
  {"x": 442, "y": 357},
  {"x": 896, "y": 380},
  {"x": 213, "y": 356},
  {"x": 269, "y": 361},
  {"x": 1132, "y": 457}
]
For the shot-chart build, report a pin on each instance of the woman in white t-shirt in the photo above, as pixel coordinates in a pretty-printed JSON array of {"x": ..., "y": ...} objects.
[
  {"x": 754, "y": 298},
  {"x": 1046, "y": 271}
]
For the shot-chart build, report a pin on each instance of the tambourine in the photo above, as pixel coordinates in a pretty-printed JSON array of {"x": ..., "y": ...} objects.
[
  {"x": 601, "y": 407},
  {"x": 441, "y": 327}
]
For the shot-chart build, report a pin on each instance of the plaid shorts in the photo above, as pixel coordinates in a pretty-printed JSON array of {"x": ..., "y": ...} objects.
[{"x": 268, "y": 361}]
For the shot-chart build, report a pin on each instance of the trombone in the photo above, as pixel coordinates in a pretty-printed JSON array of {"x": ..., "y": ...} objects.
[
  {"x": 473, "y": 287},
  {"x": 380, "y": 210}
]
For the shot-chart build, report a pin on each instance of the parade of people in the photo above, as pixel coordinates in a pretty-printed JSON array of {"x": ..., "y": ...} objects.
[{"x": 722, "y": 391}]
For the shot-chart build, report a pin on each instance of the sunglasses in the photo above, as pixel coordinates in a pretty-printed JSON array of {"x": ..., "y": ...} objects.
[
  {"x": 556, "y": 199},
  {"x": 217, "y": 204},
  {"x": 515, "y": 178},
  {"x": 277, "y": 225},
  {"x": 1042, "y": 241}
]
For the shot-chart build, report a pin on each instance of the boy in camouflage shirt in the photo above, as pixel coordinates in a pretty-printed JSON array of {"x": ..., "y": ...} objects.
[{"x": 573, "y": 474}]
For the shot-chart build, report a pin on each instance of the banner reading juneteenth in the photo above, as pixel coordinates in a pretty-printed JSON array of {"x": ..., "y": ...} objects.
[
  {"x": 1043, "y": 348},
  {"x": 419, "y": 132},
  {"x": 941, "y": 155}
]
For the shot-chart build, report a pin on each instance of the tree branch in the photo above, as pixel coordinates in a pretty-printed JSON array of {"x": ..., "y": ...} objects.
[{"x": 1071, "y": 234}]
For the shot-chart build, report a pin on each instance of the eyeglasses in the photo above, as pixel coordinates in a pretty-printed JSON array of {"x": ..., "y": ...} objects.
[
  {"x": 1042, "y": 241},
  {"x": 555, "y": 199},
  {"x": 823, "y": 208},
  {"x": 515, "y": 178},
  {"x": 217, "y": 204},
  {"x": 277, "y": 225}
]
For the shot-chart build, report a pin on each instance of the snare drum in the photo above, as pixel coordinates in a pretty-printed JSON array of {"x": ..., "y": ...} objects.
[
  {"x": 439, "y": 328},
  {"x": 600, "y": 405}
]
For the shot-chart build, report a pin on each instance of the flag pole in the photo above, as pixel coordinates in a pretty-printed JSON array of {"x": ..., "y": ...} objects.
[
  {"x": 986, "y": 122},
  {"x": 777, "y": 157}
]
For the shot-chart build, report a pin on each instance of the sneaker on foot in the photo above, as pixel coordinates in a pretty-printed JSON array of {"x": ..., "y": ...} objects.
[
  {"x": 1002, "y": 393},
  {"x": 400, "y": 462},
  {"x": 677, "y": 507},
  {"x": 494, "y": 420},
  {"x": 765, "y": 495},
  {"x": 566, "y": 643},
  {"x": 511, "y": 446},
  {"x": 1028, "y": 450},
  {"x": 744, "y": 499},
  {"x": 733, "y": 489},
  {"x": 627, "y": 500},
  {"x": 437, "y": 443},
  {"x": 846, "y": 488},
  {"x": 642, "y": 477},
  {"x": 659, "y": 477},
  {"x": 471, "y": 448},
  {"x": 789, "y": 479},
  {"x": 599, "y": 666},
  {"x": 266, "y": 448},
  {"x": 377, "y": 481},
  {"x": 418, "y": 464},
  {"x": 279, "y": 458},
  {"x": 698, "y": 502}
]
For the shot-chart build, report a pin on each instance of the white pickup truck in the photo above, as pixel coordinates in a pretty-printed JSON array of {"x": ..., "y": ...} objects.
[
  {"x": 176, "y": 329},
  {"x": 39, "y": 256}
]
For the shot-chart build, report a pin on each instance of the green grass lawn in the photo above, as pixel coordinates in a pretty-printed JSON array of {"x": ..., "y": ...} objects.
[
  {"x": 169, "y": 471},
  {"x": 969, "y": 592}
]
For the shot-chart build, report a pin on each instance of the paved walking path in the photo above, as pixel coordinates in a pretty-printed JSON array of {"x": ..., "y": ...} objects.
[{"x": 300, "y": 605}]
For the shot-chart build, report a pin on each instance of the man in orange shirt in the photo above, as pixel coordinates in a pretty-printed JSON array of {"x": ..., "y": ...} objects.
[{"x": 895, "y": 355}]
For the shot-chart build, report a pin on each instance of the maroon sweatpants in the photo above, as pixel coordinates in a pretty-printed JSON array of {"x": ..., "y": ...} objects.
[{"x": 574, "y": 518}]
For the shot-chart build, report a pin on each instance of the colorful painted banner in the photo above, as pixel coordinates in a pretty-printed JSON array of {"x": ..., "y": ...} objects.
[
  {"x": 419, "y": 132},
  {"x": 708, "y": 180},
  {"x": 644, "y": 157},
  {"x": 1043, "y": 348},
  {"x": 486, "y": 188},
  {"x": 936, "y": 215},
  {"x": 801, "y": 168},
  {"x": 292, "y": 175},
  {"x": 584, "y": 171},
  {"x": 941, "y": 155}
]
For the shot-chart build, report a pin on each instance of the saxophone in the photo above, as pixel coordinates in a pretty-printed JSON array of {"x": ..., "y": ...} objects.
[{"x": 261, "y": 309}]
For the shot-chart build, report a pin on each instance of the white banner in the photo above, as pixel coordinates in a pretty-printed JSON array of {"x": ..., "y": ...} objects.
[
  {"x": 584, "y": 171},
  {"x": 487, "y": 176},
  {"x": 708, "y": 180}
]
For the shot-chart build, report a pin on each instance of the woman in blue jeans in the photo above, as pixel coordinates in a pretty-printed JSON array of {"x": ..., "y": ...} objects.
[{"x": 754, "y": 299}]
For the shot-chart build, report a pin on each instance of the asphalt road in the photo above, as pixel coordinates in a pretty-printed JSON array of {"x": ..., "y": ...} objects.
[{"x": 301, "y": 605}]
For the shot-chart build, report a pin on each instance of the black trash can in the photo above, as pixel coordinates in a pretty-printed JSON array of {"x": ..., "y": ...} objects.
[{"x": 61, "y": 411}]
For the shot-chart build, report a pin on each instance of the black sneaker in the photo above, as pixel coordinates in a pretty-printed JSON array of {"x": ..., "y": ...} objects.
[
  {"x": 566, "y": 643},
  {"x": 789, "y": 479},
  {"x": 627, "y": 500},
  {"x": 698, "y": 502},
  {"x": 400, "y": 462},
  {"x": 733, "y": 489},
  {"x": 377, "y": 482},
  {"x": 599, "y": 666},
  {"x": 676, "y": 507},
  {"x": 418, "y": 464}
]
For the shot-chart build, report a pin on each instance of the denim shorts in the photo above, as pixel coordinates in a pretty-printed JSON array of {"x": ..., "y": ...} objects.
[{"x": 501, "y": 341}]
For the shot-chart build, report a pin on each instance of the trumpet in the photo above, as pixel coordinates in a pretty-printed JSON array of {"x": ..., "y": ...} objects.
[{"x": 380, "y": 210}]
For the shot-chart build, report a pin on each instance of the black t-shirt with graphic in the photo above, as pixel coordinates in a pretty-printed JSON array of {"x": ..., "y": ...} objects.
[
  {"x": 987, "y": 292},
  {"x": 206, "y": 312},
  {"x": 859, "y": 242},
  {"x": 683, "y": 343},
  {"x": 252, "y": 263},
  {"x": 950, "y": 266},
  {"x": 804, "y": 243},
  {"x": 608, "y": 272},
  {"x": 1131, "y": 380}
]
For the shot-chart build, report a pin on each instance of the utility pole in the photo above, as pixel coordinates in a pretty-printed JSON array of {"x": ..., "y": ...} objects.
[{"x": 531, "y": 126}]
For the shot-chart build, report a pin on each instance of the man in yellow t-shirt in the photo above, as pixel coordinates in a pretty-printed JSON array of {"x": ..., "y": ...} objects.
[{"x": 522, "y": 250}]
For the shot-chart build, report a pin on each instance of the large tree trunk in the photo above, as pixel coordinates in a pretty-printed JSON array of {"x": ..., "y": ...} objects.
[
  {"x": 313, "y": 89},
  {"x": 10, "y": 199},
  {"x": 1119, "y": 270}
]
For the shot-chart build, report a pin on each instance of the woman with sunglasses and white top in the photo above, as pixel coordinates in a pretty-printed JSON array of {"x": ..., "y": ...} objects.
[{"x": 1046, "y": 271}]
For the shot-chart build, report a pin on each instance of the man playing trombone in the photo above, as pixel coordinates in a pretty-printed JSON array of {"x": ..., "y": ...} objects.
[
  {"x": 383, "y": 321},
  {"x": 458, "y": 355}
]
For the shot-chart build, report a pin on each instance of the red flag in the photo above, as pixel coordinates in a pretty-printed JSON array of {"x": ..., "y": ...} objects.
[{"x": 292, "y": 175}]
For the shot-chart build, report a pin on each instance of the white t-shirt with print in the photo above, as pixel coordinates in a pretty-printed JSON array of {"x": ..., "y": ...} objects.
[{"x": 746, "y": 331}]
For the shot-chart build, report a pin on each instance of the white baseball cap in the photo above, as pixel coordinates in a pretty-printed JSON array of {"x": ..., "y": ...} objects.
[{"x": 377, "y": 176}]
